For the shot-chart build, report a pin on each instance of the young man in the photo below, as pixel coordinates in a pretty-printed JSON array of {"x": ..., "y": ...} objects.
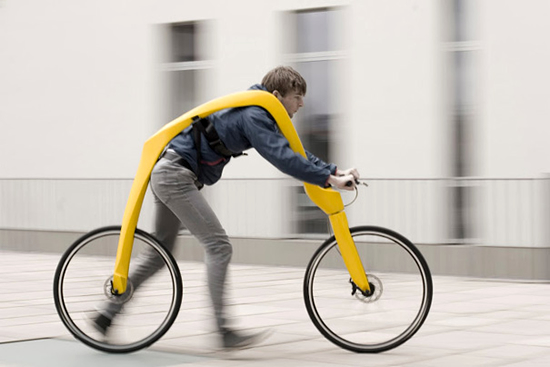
[{"x": 184, "y": 168}]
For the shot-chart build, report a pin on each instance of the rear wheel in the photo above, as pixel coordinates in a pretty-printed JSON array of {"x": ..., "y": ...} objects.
[
  {"x": 391, "y": 313},
  {"x": 82, "y": 286}
]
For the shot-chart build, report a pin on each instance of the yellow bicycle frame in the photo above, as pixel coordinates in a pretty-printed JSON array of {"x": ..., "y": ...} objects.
[{"x": 328, "y": 200}]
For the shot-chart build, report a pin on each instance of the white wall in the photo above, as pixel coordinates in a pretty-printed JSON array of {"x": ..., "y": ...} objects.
[
  {"x": 76, "y": 86},
  {"x": 516, "y": 79},
  {"x": 396, "y": 123},
  {"x": 81, "y": 91}
]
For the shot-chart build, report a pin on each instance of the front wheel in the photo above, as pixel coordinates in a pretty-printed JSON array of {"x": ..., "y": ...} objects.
[
  {"x": 393, "y": 311},
  {"x": 140, "y": 316}
]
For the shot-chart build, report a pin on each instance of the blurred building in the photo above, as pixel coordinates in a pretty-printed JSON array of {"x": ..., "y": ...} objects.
[{"x": 441, "y": 104}]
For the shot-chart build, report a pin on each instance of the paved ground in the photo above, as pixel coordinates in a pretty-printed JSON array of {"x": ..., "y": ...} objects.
[{"x": 473, "y": 322}]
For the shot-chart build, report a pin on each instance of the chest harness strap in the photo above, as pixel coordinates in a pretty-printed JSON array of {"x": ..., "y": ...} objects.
[{"x": 205, "y": 127}]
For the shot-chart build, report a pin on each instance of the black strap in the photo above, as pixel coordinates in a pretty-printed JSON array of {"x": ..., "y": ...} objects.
[
  {"x": 206, "y": 127},
  {"x": 197, "y": 139}
]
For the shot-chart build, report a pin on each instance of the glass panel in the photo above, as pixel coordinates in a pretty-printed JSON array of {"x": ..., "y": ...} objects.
[
  {"x": 315, "y": 33},
  {"x": 182, "y": 91},
  {"x": 465, "y": 81},
  {"x": 464, "y": 20},
  {"x": 318, "y": 30},
  {"x": 313, "y": 124},
  {"x": 183, "y": 42},
  {"x": 463, "y": 28},
  {"x": 313, "y": 120}
]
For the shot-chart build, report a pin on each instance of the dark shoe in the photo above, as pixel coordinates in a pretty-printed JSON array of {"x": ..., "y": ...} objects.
[
  {"x": 235, "y": 340},
  {"x": 99, "y": 322}
]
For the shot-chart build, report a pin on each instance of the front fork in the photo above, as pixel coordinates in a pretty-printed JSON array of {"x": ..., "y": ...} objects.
[{"x": 340, "y": 226}]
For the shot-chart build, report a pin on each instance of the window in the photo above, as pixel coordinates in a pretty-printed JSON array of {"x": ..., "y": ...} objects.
[
  {"x": 462, "y": 56},
  {"x": 316, "y": 51},
  {"x": 186, "y": 66}
]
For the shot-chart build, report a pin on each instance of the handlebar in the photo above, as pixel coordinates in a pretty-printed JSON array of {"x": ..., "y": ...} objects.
[{"x": 357, "y": 182}]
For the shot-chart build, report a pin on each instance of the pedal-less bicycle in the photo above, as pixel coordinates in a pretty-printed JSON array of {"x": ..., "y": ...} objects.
[{"x": 366, "y": 289}]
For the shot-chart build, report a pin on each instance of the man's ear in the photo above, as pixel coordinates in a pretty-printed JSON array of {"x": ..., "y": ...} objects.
[{"x": 277, "y": 94}]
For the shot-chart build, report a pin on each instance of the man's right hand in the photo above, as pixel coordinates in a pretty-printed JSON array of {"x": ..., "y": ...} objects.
[
  {"x": 349, "y": 171},
  {"x": 346, "y": 182}
]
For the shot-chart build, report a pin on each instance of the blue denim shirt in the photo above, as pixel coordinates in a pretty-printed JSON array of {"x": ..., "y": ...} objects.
[{"x": 248, "y": 127}]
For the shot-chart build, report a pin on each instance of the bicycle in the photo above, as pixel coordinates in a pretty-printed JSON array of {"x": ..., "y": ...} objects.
[{"x": 358, "y": 311}]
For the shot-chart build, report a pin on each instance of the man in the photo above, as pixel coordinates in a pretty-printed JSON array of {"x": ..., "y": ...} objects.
[{"x": 183, "y": 169}]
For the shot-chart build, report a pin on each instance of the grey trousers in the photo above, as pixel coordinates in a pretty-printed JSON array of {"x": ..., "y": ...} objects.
[{"x": 178, "y": 200}]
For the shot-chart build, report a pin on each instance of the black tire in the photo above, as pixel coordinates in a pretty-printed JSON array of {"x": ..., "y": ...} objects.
[
  {"x": 90, "y": 260},
  {"x": 362, "y": 323}
]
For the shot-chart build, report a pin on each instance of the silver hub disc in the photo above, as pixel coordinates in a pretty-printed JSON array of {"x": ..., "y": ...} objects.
[
  {"x": 122, "y": 298},
  {"x": 378, "y": 290}
]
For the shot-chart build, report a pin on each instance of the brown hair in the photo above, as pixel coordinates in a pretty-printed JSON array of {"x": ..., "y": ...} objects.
[{"x": 284, "y": 79}]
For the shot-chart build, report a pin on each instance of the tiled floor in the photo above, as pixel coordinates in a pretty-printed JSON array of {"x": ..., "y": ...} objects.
[{"x": 473, "y": 322}]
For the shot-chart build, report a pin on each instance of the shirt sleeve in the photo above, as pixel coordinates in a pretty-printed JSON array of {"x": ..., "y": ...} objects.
[
  {"x": 320, "y": 163},
  {"x": 262, "y": 133}
]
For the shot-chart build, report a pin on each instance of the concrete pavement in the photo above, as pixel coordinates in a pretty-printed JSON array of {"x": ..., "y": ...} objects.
[{"x": 473, "y": 322}]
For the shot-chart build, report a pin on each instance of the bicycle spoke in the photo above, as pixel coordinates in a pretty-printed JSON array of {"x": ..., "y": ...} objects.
[
  {"x": 396, "y": 309},
  {"x": 82, "y": 288}
]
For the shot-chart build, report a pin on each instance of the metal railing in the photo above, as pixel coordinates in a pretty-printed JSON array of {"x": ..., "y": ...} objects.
[{"x": 494, "y": 212}]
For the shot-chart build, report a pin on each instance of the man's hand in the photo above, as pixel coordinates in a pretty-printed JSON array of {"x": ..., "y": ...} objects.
[
  {"x": 346, "y": 182},
  {"x": 349, "y": 171}
]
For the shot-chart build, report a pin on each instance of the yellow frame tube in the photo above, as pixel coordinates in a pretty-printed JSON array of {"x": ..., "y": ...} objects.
[{"x": 328, "y": 200}]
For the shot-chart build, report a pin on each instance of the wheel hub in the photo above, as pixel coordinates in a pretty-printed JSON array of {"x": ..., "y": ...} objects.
[
  {"x": 371, "y": 295},
  {"x": 115, "y": 297}
]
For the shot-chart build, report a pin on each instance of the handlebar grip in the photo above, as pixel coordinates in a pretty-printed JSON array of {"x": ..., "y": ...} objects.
[{"x": 349, "y": 183}]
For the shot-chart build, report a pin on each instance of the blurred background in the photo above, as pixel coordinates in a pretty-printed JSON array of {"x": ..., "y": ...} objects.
[{"x": 442, "y": 105}]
